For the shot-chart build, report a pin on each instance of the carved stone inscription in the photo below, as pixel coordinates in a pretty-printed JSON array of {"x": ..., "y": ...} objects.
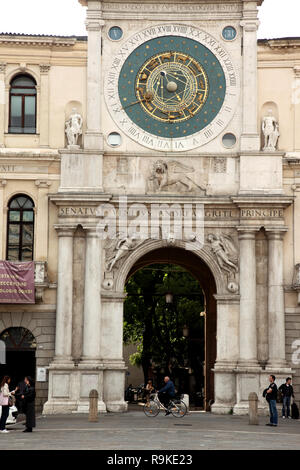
[{"x": 210, "y": 214}]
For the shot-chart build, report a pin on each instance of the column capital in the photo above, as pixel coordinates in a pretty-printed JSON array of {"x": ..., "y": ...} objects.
[
  {"x": 275, "y": 233},
  {"x": 43, "y": 183},
  {"x": 44, "y": 68},
  {"x": 65, "y": 230},
  {"x": 247, "y": 232},
  {"x": 250, "y": 26},
  {"x": 3, "y": 67},
  {"x": 90, "y": 231},
  {"x": 94, "y": 24}
]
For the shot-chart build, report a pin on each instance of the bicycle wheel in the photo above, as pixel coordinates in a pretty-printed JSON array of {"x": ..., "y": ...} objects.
[
  {"x": 151, "y": 409},
  {"x": 178, "y": 409}
]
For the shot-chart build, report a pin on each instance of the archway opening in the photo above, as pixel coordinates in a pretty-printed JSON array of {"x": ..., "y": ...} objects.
[
  {"x": 177, "y": 338},
  {"x": 20, "y": 345}
]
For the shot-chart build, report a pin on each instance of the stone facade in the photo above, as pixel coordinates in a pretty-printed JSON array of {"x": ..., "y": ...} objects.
[{"x": 250, "y": 196}]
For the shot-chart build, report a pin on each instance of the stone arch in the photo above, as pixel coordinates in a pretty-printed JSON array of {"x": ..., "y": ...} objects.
[
  {"x": 22, "y": 71},
  {"x": 203, "y": 254},
  {"x": 202, "y": 265}
]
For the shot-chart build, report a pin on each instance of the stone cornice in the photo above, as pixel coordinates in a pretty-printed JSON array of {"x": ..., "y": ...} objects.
[
  {"x": 38, "y": 41},
  {"x": 252, "y": 200},
  {"x": 283, "y": 43}
]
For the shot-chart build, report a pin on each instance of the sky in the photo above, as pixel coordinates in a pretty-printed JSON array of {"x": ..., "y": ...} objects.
[{"x": 279, "y": 18}]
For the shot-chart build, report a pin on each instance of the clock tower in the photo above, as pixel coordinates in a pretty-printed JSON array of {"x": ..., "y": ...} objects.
[{"x": 172, "y": 119}]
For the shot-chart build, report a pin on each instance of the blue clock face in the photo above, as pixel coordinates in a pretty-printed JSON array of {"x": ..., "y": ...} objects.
[{"x": 172, "y": 86}]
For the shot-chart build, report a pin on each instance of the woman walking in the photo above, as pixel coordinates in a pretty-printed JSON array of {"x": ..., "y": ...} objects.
[
  {"x": 4, "y": 397},
  {"x": 28, "y": 405}
]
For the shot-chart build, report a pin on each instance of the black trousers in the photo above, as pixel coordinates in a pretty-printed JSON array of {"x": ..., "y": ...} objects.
[
  {"x": 164, "y": 398},
  {"x": 4, "y": 416}
]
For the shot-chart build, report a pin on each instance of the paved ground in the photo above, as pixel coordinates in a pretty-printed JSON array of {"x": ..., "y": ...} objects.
[{"x": 135, "y": 431}]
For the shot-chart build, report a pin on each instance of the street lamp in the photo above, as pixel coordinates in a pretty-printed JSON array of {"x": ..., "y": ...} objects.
[{"x": 169, "y": 298}]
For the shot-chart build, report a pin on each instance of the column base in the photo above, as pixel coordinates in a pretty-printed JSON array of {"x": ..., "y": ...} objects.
[
  {"x": 57, "y": 407},
  {"x": 93, "y": 141},
  {"x": 277, "y": 365},
  {"x": 222, "y": 408},
  {"x": 242, "y": 409},
  {"x": 248, "y": 365}
]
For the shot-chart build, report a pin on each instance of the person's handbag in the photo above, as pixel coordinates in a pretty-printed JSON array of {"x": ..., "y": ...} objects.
[{"x": 10, "y": 401}]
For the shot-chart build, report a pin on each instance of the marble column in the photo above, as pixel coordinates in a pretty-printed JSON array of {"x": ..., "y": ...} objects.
[
  {"x": 92, "y": 299},
  {"x": 276, "y": 322},
  {"x": 250, "y": 138},
  {"x": 248, "y": 332},
  {"x": 64, "y": 308},
  {"x": 93, "y": 139},
  {"x": 2, "y": 102},
  {"x": 44, "y": 105}
]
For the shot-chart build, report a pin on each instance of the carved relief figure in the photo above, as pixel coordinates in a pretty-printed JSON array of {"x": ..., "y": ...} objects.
[
  {"x": 120, "y": 248},
  {"x": 225, "y": 252},
  {"x": 270, "y": 128},
  {"x": 73, "y": 127},
  {"x": 165, "y": 175}
]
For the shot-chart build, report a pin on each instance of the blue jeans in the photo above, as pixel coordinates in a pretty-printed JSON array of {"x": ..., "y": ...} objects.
[
  {"x": 286, "y": 403},
  {"x": 273, "y": 412}
]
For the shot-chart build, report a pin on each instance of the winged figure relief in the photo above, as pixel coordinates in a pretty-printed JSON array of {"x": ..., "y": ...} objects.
[
  {"x": 119, "y": 248},
  {"x": 225, "y": 251},
  {"x": 165, "y": 174}
]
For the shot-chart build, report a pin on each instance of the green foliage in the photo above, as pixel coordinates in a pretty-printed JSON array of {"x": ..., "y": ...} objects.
[{"x": 156, "y": 326}]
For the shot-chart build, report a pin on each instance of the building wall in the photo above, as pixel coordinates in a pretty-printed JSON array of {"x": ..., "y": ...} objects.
[{"x": 31, "y": 164}]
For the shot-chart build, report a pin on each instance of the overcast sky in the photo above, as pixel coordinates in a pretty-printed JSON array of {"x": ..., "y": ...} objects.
[{"x": 279, "y": 18}]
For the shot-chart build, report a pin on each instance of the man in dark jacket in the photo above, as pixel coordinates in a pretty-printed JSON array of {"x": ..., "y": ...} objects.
[
  {"x": 287, "y": 392},
  {"x": 271, "y": 396},
  {"x": 28, "y": 398},
  {"x": 167, "y": 392}
]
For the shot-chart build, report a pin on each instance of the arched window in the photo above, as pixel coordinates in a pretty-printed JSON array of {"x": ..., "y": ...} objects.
[
  {"x": 18, "y": 338},
  {"x": 20, "y": 226},
  {"x": 22, "y": 106}
]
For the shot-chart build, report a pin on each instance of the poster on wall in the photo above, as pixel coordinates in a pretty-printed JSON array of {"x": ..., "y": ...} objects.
[{"x": 17, "y": 282}]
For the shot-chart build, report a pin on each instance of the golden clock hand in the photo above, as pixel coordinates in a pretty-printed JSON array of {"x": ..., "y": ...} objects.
[
  {"x": 148, "y": 96},
  {"x": 135, "y": 102}
]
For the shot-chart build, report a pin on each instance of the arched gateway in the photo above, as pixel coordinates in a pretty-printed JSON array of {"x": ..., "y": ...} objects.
[{"x": 171, "y": 127}]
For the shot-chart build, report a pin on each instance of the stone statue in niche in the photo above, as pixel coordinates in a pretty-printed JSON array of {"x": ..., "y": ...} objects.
[
  {"x": 225, "y": 251},
  {"x": 270, "y": 128},
  {"x": 73, "y": 128},
  {"x": 117, "y": 249},
  {"x": 172, "y": 176}
]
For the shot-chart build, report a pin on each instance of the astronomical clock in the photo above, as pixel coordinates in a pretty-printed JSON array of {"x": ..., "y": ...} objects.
[{"x": 172, "y": 87}]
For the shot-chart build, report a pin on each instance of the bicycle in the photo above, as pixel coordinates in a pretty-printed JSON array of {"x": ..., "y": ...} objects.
[{"x": 176, "y": 406}]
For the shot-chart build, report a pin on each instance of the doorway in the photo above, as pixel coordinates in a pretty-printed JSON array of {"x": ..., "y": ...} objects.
[
  {"x": 20, "y": 354},
  {"x": 196, "y": 330}
]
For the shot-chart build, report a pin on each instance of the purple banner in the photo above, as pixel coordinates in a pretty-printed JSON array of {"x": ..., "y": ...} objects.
[{"x": 17, "y": 282}]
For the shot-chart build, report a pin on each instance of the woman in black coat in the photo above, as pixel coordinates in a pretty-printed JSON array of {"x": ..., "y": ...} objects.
[{"x": 28, "y": 406}]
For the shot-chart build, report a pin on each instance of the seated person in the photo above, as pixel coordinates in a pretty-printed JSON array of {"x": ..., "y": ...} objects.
[{"x": 167, "y": 392}]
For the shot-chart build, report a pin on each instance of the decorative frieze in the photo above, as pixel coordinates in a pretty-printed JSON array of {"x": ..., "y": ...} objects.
[{"x": 182, "y": 7}]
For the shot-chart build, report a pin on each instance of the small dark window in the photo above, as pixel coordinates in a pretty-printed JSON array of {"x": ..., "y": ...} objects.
[
  {"x": 22, "y": 115},
  {"x": 20, "y": 227}
]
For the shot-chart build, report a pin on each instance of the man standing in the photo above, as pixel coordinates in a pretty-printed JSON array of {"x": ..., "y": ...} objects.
[
  {"x": 167, "y": 392},
  {"x": 287, "y": 392},
  {"x": 271, "y": 394}
]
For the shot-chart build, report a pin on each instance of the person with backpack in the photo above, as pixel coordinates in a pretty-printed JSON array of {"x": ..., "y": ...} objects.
[{"x": 287, "y": 393}]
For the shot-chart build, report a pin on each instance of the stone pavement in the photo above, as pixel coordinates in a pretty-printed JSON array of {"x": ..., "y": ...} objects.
[{"x": 135, "y": 431}]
